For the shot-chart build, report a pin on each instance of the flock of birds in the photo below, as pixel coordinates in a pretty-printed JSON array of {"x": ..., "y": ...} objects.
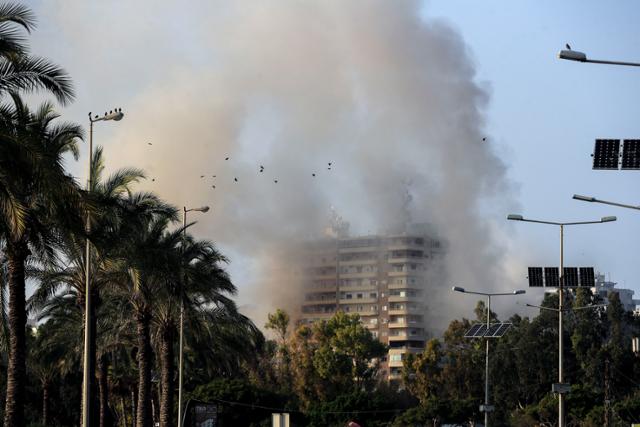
[
  {"x": 260, "y": 170},
  {"x": 261, "y": 167}
]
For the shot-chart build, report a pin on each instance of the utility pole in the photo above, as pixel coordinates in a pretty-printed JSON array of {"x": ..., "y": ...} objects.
[{"x": 607, "y": 400}]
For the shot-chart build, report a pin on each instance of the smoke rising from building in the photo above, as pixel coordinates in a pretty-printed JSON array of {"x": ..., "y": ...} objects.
[{"x": 386, "y": 96}]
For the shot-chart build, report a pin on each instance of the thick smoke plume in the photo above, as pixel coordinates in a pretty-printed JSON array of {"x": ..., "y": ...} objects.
[{"x": 386, "y": 96}]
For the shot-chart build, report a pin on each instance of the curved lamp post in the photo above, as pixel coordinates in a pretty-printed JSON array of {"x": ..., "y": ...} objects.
[
  {"x": 604, "y": 202},
  {"x": 88, "y": 370},
  {"x": 574, "y": 55}
]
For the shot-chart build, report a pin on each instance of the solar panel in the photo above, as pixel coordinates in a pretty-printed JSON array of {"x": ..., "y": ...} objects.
[
  {"x": 535, "y": 277},
  {"x": 587, "y": 277},
  {"x": 551, "y": 277},
  {"x": 571, "y": 276},
  {"x": 631, "y": 154},
  {"x": 501, "y": 330},
  {"x": 471, "y": 333},
  {"x": 606, "y": 154}
]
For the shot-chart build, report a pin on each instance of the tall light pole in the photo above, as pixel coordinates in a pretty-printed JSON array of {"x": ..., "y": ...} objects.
[
  {"x": 89, "y": 368},
  {"x": 604, "y": 202},
  {"x": 574, "y": 55},
  {"x": 202, "y": 209},
  {"x": 486, "y": 407},
  {"x": 560, "y": 389}
]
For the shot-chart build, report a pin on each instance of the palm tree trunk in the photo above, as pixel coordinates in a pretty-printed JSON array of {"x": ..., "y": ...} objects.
[
  {"x": 143, "y": 418},
  {"x": 167, "y": 372},
  {"x": 17, "y": 253},
  {"x": 103, "y": 392},
  {"x": 45, "y": 404}
]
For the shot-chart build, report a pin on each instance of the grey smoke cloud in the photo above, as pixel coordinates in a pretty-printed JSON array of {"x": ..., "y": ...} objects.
[{"x": 385, "y": 95}]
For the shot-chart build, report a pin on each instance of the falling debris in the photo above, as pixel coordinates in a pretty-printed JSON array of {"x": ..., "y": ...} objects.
[
  {"x": 213, "y": 186},
  {"x": 153, "y": 180},
  {"x": 275, "y": 180},
  {"x": 235, "y": 179},
  {"x": 313, "y": 174},
  {"x": 201, "y": 176},
  {"x": 213, "y": 176},
  {"x": 226, "y": 158},
  {"x": 484, "y": 138},
  {"x": 148, "y": 143},
  {"x": 568, "y": 47}
]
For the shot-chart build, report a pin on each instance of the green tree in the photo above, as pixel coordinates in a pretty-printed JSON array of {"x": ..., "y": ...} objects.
[
  {"x": 422, "y": 373},
  {"x": 334, "y": 357}
]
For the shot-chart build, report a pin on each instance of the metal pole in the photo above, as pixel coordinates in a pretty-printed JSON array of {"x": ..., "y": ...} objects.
[
  {"x": 486, "y": 367},
  {"x": 560, "y": 330},
  {"x": 180, "y": 362},
  {"x": 86, "y": 375}
]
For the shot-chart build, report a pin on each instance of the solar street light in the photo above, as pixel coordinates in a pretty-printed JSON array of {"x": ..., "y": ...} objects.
[
  {"x": 488, "y": 330},
  {"x": 551, "y": 276}
]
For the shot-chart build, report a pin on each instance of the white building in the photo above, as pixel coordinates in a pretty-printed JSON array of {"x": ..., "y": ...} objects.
[{"x": 603, "y": 288}]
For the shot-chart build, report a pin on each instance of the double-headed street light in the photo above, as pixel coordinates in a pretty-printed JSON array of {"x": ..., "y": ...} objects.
[
  {"x": 486, "y": 408},
  {"x": 202, "y": 209},
  {"x": 561, "y": 388},
  {"x": 604, "y": 202},
  {"x": 88, "y": 371},
  {"x": 574, "y": 55}
]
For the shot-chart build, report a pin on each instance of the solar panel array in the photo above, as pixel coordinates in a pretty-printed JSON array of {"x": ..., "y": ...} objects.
[
  {"x": 495, "y": 330},
  {"x": 631, "y": 154},
  {"x": 573, "y": 277},
  {"x": 606, "y": 154}
]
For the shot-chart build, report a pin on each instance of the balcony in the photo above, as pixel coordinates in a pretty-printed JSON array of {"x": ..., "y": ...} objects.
[{"x": 356, "y": 301}]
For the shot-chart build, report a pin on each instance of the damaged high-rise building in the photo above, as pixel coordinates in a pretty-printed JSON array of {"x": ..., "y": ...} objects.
[{"x": 383, "y": 278}]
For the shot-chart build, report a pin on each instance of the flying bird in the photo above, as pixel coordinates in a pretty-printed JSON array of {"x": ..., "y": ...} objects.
[{"x": 568, "y": 47}]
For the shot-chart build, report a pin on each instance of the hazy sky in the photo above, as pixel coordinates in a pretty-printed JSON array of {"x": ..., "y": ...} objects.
[{"x": 185, "y": 74}]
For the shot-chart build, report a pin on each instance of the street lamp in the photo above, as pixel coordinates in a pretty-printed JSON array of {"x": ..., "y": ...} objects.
[
  {"x": 594, "y": 200},
  {"x": 574, "y": 55},
  {"x": 486, "y": 408},
  {"x": 561, "y": 389},
  {"x": 89, "y": 368},
  {"x": 202, "y": 209}
]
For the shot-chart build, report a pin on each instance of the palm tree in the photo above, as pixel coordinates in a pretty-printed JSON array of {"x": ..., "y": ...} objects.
[
  {"x": 20, "y": 72},
  {"x": 67, "y": 276},
  {"x": 205, "y": 284},
  {"x": 37, "y": 199},
  {"x": 145, "y": 269}
]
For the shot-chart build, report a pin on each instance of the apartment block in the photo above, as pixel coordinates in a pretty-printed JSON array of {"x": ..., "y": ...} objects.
[{"x": 384, "y": 279}]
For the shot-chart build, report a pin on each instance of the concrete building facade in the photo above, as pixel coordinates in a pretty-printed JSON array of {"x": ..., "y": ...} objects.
[{"x": 383, "y": 279}]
